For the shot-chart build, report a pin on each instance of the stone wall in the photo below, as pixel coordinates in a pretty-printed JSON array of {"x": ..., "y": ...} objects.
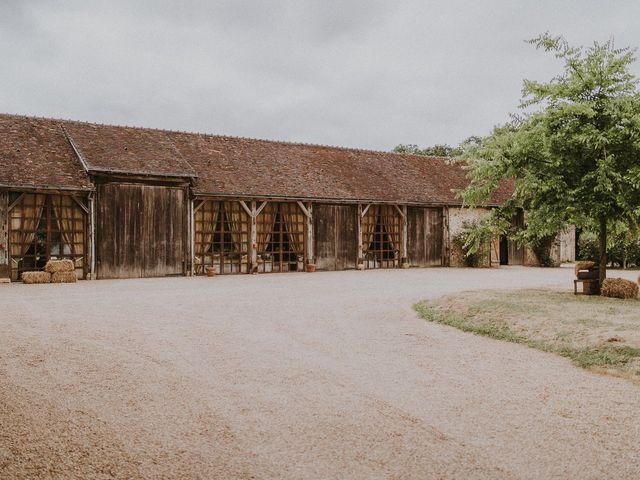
[
  {"x": 4, "y": 236},
  {"x": 562, "y": 251},
  {"x": 457, "y": 218},
  {"x": 567, "y": 251}
]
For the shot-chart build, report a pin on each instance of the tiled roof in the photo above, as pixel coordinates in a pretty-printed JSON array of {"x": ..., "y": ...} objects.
[
  {"x": 231, "y": 166},
  {"x": 106, "y": 148},
  {"x": 34, "y": 153}
]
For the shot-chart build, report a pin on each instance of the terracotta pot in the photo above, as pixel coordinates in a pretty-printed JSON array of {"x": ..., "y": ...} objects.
[
  {"x": 211, "y": 272},
  {"x": 310, "y": 267}
]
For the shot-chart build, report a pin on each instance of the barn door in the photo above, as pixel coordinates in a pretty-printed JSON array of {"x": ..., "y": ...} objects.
[
  {"x": 495, "y": 251},
  {"x": 335, "y": 236},
  {"x": 425, "y": 236},
  {"x": 140, "y": 230}
]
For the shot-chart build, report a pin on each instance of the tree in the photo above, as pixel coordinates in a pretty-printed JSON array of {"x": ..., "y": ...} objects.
[
  {"x": 574, "y": 152},
  {"x": 438, "y": 150}
]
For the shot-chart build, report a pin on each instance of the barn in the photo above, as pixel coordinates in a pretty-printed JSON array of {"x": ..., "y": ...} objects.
[{"x": 124, "y": 202}]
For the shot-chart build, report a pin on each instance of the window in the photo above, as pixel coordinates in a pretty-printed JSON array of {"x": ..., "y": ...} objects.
[
  {"x": 381, "y": 227},
  {"x": 44, "y": 227},
  {"x": 281, "y": 238},
  {"x": 222, "y": 231}
]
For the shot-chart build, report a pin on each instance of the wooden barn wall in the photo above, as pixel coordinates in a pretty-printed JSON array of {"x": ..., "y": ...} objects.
[
  {"x": 425, "y": 236},
  {"x": 336, "y": 236},
  {"x": 141, "y": 230},
  {"x": 4, "y": 236}
]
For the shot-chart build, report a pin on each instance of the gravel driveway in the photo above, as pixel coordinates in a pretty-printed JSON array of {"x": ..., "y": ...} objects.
[{"x": 325, "y": 375}]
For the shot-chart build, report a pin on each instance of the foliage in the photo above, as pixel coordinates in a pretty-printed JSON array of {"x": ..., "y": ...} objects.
[
  {"x": 574, "y": 152},
  {"x": 542, "y": 247},
  {"x": 623, "y": 246},
  {"x": 474, "y": 238},
  {"x": 439, "y": 150}
]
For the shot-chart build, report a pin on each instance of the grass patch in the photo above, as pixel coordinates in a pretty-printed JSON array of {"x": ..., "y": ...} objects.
[{"x": 593, "y": 332}]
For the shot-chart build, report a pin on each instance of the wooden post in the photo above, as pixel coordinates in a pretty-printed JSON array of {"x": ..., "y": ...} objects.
[
  {"x": 405, "y": 235},
  {"x": 192, "y": 238},
  {"x": 254, "y": 236},
  {"x": 92, "y": 236},
  {"x": 404, "y": 260},
  {"x": 5, "y": 270},
  {"x": 446, "y": 238},
  {"x": 308, "y": 212},
  {"x": 310, "y": 250},
  {"x": 360, "y": 260}
]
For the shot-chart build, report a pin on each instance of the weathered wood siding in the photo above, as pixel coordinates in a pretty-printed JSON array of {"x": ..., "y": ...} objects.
[
  {"x": 425, "y": 234},
  {"x": 4, "y": 235},
  {"x": 516, "y": 254},
  {"x": 141, "y": 230},
  {"x": 336, "y": 236}
]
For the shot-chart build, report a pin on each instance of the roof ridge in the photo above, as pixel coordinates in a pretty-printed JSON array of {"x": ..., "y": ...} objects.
[{"x": 233, "y": 137}]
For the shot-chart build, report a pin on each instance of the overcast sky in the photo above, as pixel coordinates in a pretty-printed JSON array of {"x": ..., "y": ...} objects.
[{"x": 356, "y": 73}]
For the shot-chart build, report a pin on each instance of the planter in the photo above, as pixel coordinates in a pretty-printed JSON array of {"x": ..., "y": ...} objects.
[
  {"x": 211, "y": 272},
  {"x": 310, "y": 267}
]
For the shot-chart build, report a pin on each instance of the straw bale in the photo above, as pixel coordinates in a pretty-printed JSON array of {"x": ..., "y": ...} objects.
[
  {"x": 584, "y": 266},
  {"x": 36, "y": 277},
  {"x": 64, "y": 277},
  {"x": 619, "y": 288},
  {"x": 54, "y": 266}
]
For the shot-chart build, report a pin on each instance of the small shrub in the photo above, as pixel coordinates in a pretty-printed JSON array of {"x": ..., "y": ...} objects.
[
  {"x": 619, "y": 288},
  {"x": 542, "y": 250},
  {"x": 473, "y": 241}
]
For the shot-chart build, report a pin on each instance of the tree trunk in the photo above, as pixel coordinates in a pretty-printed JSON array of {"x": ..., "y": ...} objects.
[{"x": 603, "y": 249}]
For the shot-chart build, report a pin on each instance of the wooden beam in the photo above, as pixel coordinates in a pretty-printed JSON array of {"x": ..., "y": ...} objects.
[
  {"x": 262, "y": 205},
  {"x": 446, "y": 238},
  {"x": 17, "y": 200},
  {"x": 309, "y": 213},
  {"x": 363, "y": 212},
  {"x": 405, "y": 233},
  {"x": 359, "y": 229},
  {"x": 192, "y": 236},
  {"x": 254, "y": 237},
  {"x": 92, "y": 236},
  {"x": 80, "y": 204},
  {"x": 304, "y": 209},
  {"x": 197, "y": 207},
  {"x": 246, "y": 208}
]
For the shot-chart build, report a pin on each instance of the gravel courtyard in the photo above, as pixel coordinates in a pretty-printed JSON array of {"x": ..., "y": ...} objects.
[{"x": 324, "y": 375}]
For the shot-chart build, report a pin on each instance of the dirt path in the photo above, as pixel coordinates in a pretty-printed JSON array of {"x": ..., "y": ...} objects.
[{"x": 326, "y": 375}]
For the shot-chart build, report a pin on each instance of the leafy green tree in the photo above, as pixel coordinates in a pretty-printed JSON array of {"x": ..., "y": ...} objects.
[
  {"x": 438, "y": 150},
  {"x": 574, "y": 152}
]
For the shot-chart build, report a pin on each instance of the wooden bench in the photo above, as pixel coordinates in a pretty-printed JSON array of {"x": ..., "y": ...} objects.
[{"x": 590, "y": 286}]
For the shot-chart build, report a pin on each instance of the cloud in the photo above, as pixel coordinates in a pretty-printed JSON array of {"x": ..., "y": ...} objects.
[{"x": 353, "y": 72}]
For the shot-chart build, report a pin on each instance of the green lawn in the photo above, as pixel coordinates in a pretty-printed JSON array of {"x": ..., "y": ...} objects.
[{"x": 594, "y": 332}]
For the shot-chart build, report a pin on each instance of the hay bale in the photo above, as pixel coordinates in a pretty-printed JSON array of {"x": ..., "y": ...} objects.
[
  {"x": 619, "y": 288},
  {"x": 584, "y": 266},
  {"x": 64, "y": 277},
  {"x": 35, "y": 277},
  {"x": 54, "y": 266}
]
